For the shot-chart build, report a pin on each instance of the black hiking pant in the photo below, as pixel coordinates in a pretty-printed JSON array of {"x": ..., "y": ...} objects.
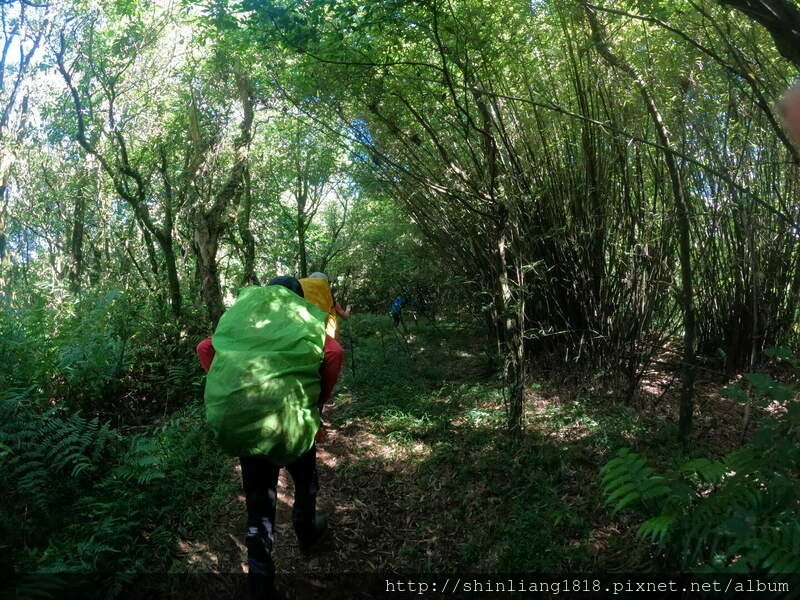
[{"x": 260, "y": 479}]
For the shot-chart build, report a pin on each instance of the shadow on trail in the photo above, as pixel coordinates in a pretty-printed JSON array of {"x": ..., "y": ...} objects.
[{"x": 418, "y": 474}]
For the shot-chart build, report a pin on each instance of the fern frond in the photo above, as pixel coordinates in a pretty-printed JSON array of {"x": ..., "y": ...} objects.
[
  {"x": 656, "y": 528},
  {"x": 627, "y": 479}
]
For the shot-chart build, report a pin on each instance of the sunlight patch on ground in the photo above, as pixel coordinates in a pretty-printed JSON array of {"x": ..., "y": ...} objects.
[
  {"x": 599, "y": 538},
  {"x": 562, "y": 421},
  {"x": 418, "y": 450},
  {"x": 397, "y": 440},
  {"x": 651, "y": 388},
  {"x": 399, "y": 447},
  {"x": 326, "y": 458},
  {"x": 198, "y": 554}
]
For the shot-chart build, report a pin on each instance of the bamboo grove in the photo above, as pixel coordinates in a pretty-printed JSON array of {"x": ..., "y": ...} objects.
[{"x": 611, "y": 182}]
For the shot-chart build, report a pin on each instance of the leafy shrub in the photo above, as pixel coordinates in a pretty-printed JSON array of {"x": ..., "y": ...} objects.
[
  {"x": 79, "y": 491},
  {"x": 81, "y": 497},
  {"x": 107, "y": 354},
  {"x": 739, "y": 513},
  {"x": 27, "y": 357},
  {"x": 48, "y": 459},
  {"x": 91, "y": 351}
]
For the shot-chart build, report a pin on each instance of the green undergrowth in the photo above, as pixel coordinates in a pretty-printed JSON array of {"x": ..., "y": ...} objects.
[
  {"x": 83, "y": 497},
  {"x": 112, "y": 506},
  {"x": 81, "y": 492},
  {"x": 732, "y": 513},
  {"x": 533, "y": 503}
]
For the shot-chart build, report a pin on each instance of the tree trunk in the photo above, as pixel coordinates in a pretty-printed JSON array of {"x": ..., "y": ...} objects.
[
  {"x": 302, "y": 226},
  {"x": 131, "y": 185},
  {"x": 510, "y": 315},
  {"x": 303, "y": 258},
  {"x": 248, "y": 241},
  {"x": 168, "y": 248},
  {"x": 76, "y": 243},
  {"x": 209, "y": 222},
  {"x": 684, "y": 228},
  {"x": 3, "y": 235},
  {"x": 781, "y": 18},
  {"x": 3, "y": 213},
  {"x": 206, "y": 241}
]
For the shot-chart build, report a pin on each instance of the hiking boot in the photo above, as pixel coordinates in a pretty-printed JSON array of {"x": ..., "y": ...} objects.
[
  {"x": 260, "y": 568},
  {"x": 261, "y": 579},
  {"x": 310, "y": 539},
  {"x": 258, "y": 541}
]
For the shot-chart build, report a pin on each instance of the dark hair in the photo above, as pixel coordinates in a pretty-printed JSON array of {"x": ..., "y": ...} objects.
[{"x": 288, "y": 282}]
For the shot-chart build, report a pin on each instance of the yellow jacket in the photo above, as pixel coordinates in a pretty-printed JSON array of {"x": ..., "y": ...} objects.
[{"x": 318, "y": 291}]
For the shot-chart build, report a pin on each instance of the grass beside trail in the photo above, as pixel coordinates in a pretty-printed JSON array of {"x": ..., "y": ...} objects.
[
  {"x": 418, "y": 473},
  {"x": 441, "y": 482}
]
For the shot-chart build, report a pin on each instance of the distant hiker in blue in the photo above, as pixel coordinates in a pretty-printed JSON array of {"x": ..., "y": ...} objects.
[{"x": 396, "y": 310}]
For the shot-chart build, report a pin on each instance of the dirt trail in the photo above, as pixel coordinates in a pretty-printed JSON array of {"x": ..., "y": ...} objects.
[
  {"x": 360, "y": 536},
  {"x": 371, "y": 491}
]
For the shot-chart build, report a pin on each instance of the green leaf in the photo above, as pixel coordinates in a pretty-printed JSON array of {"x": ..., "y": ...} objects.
[
  {"x": 760, "y": 382},
  {"x": 734, "y": 392},
  {"x": 626, "y": 501},
  {"x": 656, "y": 528}
]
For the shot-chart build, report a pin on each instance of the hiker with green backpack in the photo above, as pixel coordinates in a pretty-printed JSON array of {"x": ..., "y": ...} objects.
[{"x": 271, "y": 367}]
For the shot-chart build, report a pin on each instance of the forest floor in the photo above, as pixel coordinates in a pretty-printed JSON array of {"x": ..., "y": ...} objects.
[{"x": 418, "y": 475}]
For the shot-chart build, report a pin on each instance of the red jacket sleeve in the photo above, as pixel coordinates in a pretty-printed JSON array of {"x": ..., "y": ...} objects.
[
  {"x": 331, "y": 366},
  {"x": 205, "y": 352}
]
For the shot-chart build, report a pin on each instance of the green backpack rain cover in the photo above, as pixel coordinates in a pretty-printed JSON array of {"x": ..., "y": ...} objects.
[{"x": 263, "y": 386}]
